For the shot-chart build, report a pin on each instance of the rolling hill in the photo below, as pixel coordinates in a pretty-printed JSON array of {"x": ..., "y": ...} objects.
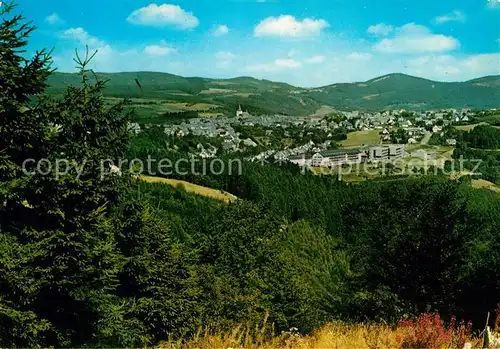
[
  {"x": 256, "y": 96},
  {"x": 393, "y": 91}
]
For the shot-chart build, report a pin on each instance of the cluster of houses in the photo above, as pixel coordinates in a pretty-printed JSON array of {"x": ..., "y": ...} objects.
[
  {"x": 415, "y": 126},
  {"x": 211, "y": 128},
  {"x": 405, "y": 119}
]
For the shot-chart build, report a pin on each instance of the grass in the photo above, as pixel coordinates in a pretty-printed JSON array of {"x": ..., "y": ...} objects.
[
  {"x": 428, "y": 331},
  {"x": 359, "y": 138},
  {"x": 323, "y": 111},
  {"x": 331, "y": 336},
  {"x": 192, "y": 188},
  {"x": 209, "y": 115},
  {"x": 466, "y": 127},
  {"x": 471, "y": 126},
  {"x": 477, "y": 183},
  {"x": 482, "y": 183},
  {"x": 162, "y": 105}
]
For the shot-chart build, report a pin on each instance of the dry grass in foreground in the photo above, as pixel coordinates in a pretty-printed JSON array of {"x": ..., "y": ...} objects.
[{"x": 428, "y": 331}]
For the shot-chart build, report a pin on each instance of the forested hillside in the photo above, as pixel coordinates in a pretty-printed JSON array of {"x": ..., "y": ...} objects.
[
  {"x": 93, "y": 257},
  {"x": 256, "y": 96},
  {"x": 394, "y": 91}
]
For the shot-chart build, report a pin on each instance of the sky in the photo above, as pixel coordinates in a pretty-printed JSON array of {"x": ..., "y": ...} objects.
[{"x": 307, "y": 43}]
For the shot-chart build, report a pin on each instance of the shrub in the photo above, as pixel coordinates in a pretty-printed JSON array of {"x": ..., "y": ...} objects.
[{"x": 429, "y": 331}]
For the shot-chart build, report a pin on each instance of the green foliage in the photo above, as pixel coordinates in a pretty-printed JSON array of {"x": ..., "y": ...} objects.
[
  {"x": 158, "y": 280},
  {"x": 479, "y": 151},
  {"x": 449, "y": 132},
  {"x": 319, "y": 269},
  {"x": 65, "y": 247},
  {"x": 21, "y": 133},
  {"x": 484, "y": 163},
  {"x": 484, "y": 137},
  {"x": 399, "y": 136},
  {"x": 412, "y": 240}
]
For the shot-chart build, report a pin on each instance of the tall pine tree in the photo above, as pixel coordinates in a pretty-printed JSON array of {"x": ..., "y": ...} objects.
[{"x": 59, "y": 263}]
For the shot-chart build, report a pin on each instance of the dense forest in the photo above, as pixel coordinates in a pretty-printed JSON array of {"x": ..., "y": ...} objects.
[
  {"x": 93, "y": 260},
  {"x": 479, "y": 150}
]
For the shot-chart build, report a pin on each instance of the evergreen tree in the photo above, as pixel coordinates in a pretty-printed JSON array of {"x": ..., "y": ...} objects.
[
  {"x": 58, "y": 259},
  {"x": 22, "y": 135}
]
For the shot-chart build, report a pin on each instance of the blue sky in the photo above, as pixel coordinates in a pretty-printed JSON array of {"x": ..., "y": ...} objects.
[{"x": 306, "y": 43}]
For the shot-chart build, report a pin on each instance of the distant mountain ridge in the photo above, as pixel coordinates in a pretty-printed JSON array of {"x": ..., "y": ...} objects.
[
  {"x": 392, "y": 91},
  {"x": 395, "y": 91}
]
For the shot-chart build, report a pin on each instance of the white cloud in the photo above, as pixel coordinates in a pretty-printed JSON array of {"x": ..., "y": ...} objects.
[
  {"x": 163, "y": 15},
  {"x": 359, "y": 56},
  {"x": 224, "y": 59},
  {"x": 455, "y": 16},
  {"x": 221, "y": 30},
  {"x": 225, "y": 56},
  {"x": 482, "y": 64},
  {"x": 159, "y": 50},
  {"x": 124, "y": 59},
  {"x": 289, "y": 26},
  {"x": 450, "y": 68},
  {"x": 54, "y": 19},
  {"x": 287, "y": 63},
  {"x": 315, "y": 60},
  {"x": 81, "y": 36},
  {"x": 278, "y": 64},
  {"x": 413, "y": 38},
  {"x": 493, "y": 3},
  {"x": 380, "y": 29}
]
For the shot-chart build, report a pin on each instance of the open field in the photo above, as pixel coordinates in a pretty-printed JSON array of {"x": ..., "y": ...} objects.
[
  {"x": 192, "y": 188},
  {"x": 216, "y": 91},
  {"x": 482, "y": 183},
  {"x": 466, "y": 127},
  {"x": 160, "y": 105},
  {"x": 191, "y": 106},
  {"x": 438, "y": 154},
  {"x": 241, "y": 94},
  {"x": 149, "y": 110},
  {"x": 359, "y": 138},
  {"x": 471, "y": 126},
  {"x": 323, "y": 111},
  {"x": 209, "y": 115}
]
